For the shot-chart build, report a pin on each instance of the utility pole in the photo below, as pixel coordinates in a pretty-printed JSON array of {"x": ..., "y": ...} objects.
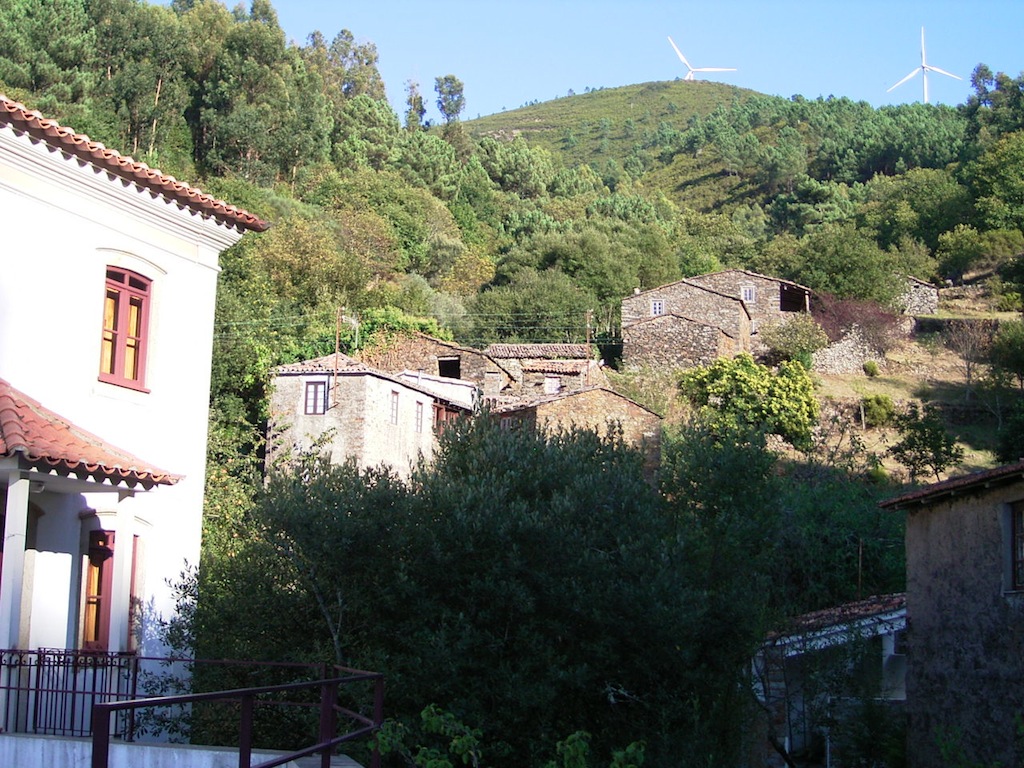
[{"x": 586, "y": 375}]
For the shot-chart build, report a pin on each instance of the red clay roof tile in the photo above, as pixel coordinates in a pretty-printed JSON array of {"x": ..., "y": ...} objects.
[
  {"x": 46, "y": 440},
  {"x": 61, "y": 137}
]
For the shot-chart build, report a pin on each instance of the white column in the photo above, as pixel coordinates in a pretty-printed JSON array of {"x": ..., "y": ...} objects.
[
  {"x": 121, "y": 581},
  {"x": 13, "y": 568}
]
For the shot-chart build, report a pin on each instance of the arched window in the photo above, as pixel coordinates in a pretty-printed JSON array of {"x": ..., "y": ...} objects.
[{"x": 125, "y": 329}]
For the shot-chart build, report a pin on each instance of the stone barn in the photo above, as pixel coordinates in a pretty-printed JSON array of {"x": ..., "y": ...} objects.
[{"x": 965, "y": 618}]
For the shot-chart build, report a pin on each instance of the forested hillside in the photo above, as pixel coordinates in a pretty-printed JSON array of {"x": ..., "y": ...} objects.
[{"x": 518, "y": 227}]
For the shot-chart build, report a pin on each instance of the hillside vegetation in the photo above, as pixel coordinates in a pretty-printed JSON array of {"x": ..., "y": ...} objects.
[{"x": 531, "y": 226}]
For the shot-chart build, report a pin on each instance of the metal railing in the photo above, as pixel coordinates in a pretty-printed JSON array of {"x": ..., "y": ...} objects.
[
  {"x": 56, "y": 692},
  {"x": 51, "y": 692},
  {"x": 329, "y": 710}
]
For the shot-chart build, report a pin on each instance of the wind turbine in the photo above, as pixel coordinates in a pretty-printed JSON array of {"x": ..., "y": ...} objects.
[
  {"x": 691, "y": 70},
  {"x": 924, "y": 69}
]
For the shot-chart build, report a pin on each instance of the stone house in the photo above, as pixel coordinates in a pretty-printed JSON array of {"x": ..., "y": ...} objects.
[
  {"x": 811, "y": 676},
  {"x": 413, "y": 351},
  {"x": 344, "y": 408},
  {"x": 594, "y": 408},
  {"x": 699, "y": 319},
  {"x": 674, "y": 341},
  {"x": 547, "y": 369},
  {"x": 117, "y": 353},
  {"x": 767, "y": 299},
  {"x": 683, "y": 324},
  {"x": 965, "y": 614}
]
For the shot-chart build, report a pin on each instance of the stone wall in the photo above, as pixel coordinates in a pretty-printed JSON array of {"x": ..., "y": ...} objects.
[
  {"x": 357, "y": 423},
  {"x": 847, "y": 355},
  {"x": 693, "y": 301},
  {"x": 919, "y": 299},
  {"x": 595, "y": 409},
  {"x": 422, "y": 353},
  {"x": 965, "y": 662},
  {"x": 671, "y": 341},
  {"x": 767, "y": 303}
]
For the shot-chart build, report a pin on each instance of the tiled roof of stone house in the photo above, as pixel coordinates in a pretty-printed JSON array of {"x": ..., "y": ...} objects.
[
  {"x": 976, "y": 481},
  {"x": 540, "y": 351}
]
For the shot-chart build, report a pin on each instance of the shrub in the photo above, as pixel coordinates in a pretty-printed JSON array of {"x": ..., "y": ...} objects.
[
  {"x": 838, "y": 316},
  {"x": 878, "y": 410},
  {"x": 871, "y": 368},
  {"x": 1008, "y": 302},
  {"x": 795, "y": 338}
]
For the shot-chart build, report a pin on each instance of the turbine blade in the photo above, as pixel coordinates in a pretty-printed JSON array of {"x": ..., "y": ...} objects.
[
  {"x": 680, "y": 54},
  {"x": 943, "y": 72},
  {"x": 901, "y": 82},
  {"x": 714, "y": 69},
  {"x": 922, "y": 48}
]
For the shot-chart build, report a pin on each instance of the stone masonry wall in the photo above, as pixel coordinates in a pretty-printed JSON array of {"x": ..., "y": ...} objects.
[
  {"x": 421, "y": 353},
  {"x": 673, "y": 342},
  {"x": 688, "y": 300},
  {"x": 595, "y": 408},
  {"x": 766, "y": 304},
  {"x": 964, "y": 662}
]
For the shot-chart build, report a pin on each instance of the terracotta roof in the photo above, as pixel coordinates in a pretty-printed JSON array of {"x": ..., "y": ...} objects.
[
  {"x": 325, "y": 364},
  {"x": 539, "y": 351},
  {"x": 849, "y": 612},
  {"x": 564, "y": 367},
  {"x": 47, "y": 441},
  {"x": 24, "y": 120},
  {"x": 1007, "y": 473}
]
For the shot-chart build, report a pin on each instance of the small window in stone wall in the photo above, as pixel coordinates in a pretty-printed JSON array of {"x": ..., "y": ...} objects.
[
  {"x": 394, "y": 407},
  {"x": 748, "y": 294},
  {"x": 316, "y": 398},
  {"x": 657, "y": 307},
  {"x": 552, "y": 385}
]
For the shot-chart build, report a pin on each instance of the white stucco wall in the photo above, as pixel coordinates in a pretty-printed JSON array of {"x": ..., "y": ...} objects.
[{"x": 64, "y": 223}]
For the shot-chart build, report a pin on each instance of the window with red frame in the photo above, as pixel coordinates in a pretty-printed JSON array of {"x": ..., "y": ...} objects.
[
  {"x": 125, "y": 328},
  {"x": 99, "y": 569}
]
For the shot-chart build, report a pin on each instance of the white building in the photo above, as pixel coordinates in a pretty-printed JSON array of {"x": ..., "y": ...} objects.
[{"x": 107, "y": 289}]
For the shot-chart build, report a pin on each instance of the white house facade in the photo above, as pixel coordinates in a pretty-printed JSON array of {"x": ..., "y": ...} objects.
[{"x": 107, "y": 290}]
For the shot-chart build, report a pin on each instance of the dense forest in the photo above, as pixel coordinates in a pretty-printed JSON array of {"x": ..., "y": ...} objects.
[{"x": 510, "y": 607}]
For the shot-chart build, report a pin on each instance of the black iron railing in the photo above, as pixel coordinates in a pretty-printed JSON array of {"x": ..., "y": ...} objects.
[{"x": 52, "y": 692}]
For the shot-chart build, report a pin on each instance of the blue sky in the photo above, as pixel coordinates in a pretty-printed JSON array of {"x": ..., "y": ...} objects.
[{"x": 512, "y": 52}]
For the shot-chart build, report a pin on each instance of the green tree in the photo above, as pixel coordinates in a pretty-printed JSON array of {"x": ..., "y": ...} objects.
[
  {"x": 415, "y": 109},
  {"x": 450, "y": 99},
  {"x": 142, "y": 47},
  {"x": 997, "y": 182},
  {"x": 48, "y": 51},
  {"x": 1007, "y": 350},
  {"x": 924, "y": 443},
  {"x": 741, "y": 391},
  {"x": 847, "y": 262}
]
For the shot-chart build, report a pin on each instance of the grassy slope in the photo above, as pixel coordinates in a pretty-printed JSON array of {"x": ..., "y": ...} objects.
[{"x": 611, "y": 124}]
